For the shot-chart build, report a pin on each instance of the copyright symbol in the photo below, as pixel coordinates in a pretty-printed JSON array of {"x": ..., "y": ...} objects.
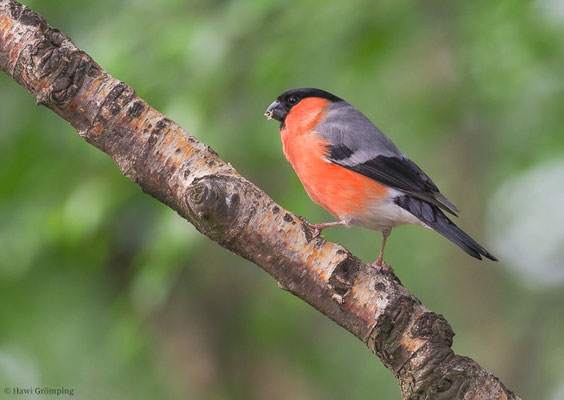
[{"x": 7, "y": 391}]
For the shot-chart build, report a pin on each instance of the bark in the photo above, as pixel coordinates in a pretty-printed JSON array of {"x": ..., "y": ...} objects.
[{"x": 189, "y": 177}]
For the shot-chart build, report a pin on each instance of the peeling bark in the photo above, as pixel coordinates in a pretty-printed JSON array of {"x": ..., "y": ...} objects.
[{"x": 189, "y": 177}]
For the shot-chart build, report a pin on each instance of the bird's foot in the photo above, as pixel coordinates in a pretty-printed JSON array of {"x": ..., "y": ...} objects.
[
  {"x": 381, "y": 266},
  {"x": 316, "y": 230}
]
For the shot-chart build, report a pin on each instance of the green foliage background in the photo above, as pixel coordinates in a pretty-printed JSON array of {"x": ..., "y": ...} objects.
[{"x": 105, "y": 290}]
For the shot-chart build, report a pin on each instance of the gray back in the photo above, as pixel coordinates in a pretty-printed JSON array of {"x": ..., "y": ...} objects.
[{"x": 344, "y": 125}]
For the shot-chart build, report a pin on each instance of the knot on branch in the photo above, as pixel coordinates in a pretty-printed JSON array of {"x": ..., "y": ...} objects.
[
  {"x": 424, "y": 373},
  {"x": 71, "y": 77},
  {"x": 435, "y": 327},
  {"x": 449, "y": 380},
  {"x": 214, "y": 203},
  {"x": 344, "y": 275},
  {"x": 388, "y": 339}
]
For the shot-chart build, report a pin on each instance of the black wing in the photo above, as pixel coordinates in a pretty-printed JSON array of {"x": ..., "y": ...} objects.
[{"x": 398, "y": 172}]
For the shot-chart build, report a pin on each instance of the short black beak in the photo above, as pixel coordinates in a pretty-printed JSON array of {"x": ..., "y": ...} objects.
[{"x": 275, "y": 111}]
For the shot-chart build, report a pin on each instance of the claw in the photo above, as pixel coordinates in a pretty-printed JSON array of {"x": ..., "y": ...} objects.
[
  {"x": 381, "y": 266},
  {"x": 317, "y": 228},
  {"x": 315, "y": 231}
]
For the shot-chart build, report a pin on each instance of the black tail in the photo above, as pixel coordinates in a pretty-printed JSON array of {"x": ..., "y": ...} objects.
[{"x": 432, "y": 216}]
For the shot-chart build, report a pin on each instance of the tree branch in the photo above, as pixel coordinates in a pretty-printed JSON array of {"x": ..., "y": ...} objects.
[{"x": 189, "y": 177}]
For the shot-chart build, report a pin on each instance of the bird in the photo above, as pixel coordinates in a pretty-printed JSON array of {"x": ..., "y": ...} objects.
[{"x": 353, "y": 170}]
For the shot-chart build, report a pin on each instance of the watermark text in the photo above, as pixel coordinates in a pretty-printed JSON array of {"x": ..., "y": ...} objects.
[{"x": 46, "y": 391}]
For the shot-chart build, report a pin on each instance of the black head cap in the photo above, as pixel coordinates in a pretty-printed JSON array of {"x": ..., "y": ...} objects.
[{"x": 284, "y": 103}]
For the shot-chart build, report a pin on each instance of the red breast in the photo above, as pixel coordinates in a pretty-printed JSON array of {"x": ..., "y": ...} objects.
[{"x": 342, "y": 192}]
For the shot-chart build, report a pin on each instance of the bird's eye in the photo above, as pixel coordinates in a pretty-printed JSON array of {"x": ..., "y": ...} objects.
[{"x": 292, "y": 100}]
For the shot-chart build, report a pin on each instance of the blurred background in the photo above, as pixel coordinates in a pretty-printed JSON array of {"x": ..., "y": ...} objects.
[{"x": 105, "y": 290}]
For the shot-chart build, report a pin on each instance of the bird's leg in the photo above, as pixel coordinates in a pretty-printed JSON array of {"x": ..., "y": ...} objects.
[
  {"x": 379, "y": 264},
  {"x": 317, "y": 228}
]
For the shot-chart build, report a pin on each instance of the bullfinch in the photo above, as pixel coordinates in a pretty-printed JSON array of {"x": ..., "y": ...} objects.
[{"x": 353, "y": 170}]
